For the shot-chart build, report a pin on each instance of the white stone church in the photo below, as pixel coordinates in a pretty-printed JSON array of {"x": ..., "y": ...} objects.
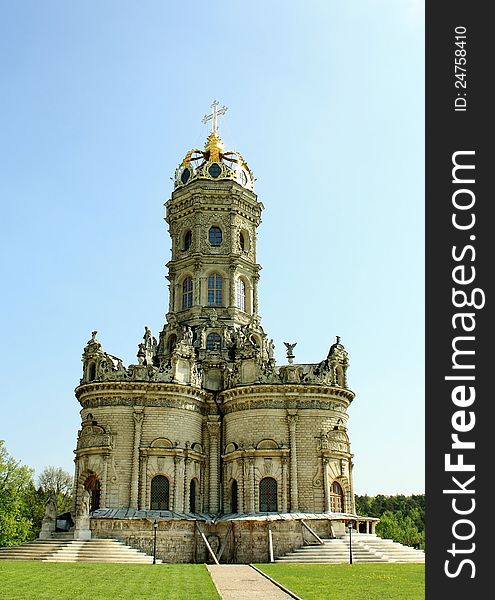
[{"x": 205, "y": 434}]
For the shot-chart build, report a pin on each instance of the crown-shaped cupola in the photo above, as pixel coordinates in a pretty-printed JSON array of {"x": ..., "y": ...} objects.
[{"x": 214, "y": 162}]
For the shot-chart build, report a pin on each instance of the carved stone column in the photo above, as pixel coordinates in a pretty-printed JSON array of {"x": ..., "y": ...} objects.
[
  {"x": 240, "y": 485},
  {"x": 197, "y": 284},
  {"x": 294, "y": 502},
  {"x": 137, "y": 416},
  {"x": 143, "y": 481},
  {"x": 104, "y": 483},
  {"x": 187, "y": 462},
  {"x": 232, "y": 299},
  {"x": 202, "y": 470},
  {"x": 214, "y": 433},
  {"x": 284, "y": 484},
  {"x": 226, "y": 500},
  {"x": 76, "y": 485},
  {"x": 252, "y": 481},
  {"x": 249, "y": 484},
  {"x": 256, "y": 278},
  {"x": 326, "y": 484},
  {"x": 351, "y": 503},
  {"x": 203, "y": 290},
  {"x": 178, "y": 485},
  {"x": 171, "y": 291}
]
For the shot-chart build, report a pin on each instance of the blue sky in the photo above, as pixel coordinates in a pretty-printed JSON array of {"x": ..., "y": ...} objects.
[{"x": 100, "y": 102}]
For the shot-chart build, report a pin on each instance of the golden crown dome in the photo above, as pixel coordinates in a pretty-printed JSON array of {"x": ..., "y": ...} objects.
[{"x": 213, "y": 162}]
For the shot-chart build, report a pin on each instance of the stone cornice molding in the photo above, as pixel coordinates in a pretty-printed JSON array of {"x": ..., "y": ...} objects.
[
  {"x": 134, "y": 395},
  {"x": 141, "y": 389},
  {"x": 290, "y": 392}
]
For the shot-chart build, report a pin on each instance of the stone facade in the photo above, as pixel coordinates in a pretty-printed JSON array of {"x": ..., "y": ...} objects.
[{"x": 205, "y": 422}]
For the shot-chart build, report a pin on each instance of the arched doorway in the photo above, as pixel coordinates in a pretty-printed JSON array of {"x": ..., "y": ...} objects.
[
  {"x": 92, "y": 484},
  {"x": 193, "y": 496},
  {"x": 336, "y": 497}
]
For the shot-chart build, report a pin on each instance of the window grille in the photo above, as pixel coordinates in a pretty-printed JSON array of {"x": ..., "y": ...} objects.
[
  {"x": 268, "y": 495},
  {"x": 159, "y": 493}
]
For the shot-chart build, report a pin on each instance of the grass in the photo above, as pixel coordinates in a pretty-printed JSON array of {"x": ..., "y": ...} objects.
[
  {"x": 33, "y": 580},
  {"x": 351, "y": 582}
]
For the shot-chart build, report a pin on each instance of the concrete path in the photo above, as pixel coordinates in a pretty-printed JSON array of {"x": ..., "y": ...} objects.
[{"x": 242, "y": 582}]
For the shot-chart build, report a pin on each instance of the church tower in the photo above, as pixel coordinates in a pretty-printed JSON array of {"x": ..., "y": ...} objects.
[
  {"x": 213, "y": 216},
  {"x": 205, "y": 425}
]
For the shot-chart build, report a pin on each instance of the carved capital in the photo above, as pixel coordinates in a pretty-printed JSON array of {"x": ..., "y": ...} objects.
[
  {"x": 292, "y": 420},
  {"x": 213, "y": 428},
  {"x": 138, "y": 417}
]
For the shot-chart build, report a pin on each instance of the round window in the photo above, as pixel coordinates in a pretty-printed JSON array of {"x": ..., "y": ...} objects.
[
  {"x": 214, "y": 170},
  {"x": 186, "y": 173}
]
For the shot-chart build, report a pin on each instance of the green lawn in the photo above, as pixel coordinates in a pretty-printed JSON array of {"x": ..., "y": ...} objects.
[
  {"x": 33, "y": 580},
  {"x": 351, "y": 582}
]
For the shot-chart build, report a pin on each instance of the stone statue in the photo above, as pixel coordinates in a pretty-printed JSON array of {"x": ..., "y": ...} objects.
[
  {"x": 141, "y": 355},
  {"x": 148, "y": 338},
  {"x": 188, "y": 335},
  {"x": 290, "y": 353},
  {"x": 48, "y": 525},
  {"x": 51, "y": 506},
  {"x": 85, "y": 504}
]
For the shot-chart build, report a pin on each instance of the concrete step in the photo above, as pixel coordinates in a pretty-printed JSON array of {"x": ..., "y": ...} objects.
[
  {"x": 105, "y": 550},
  {"x": 366, "y": 548}
]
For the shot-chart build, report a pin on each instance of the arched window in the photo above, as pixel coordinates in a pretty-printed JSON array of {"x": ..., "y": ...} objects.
[
  {"x": 240, "y": 289},
  {"x": 234, "y": 497},
  {"x": 160, "y": 491},
  {"x": 215, "y": 236},
  {"x": 187, "y": 292},
  {"x": 268, "y": 495},
  {"x": 92, "y": 372},
  {"x": 215, "y": 290},
  {"x": 92, "y": 484},
  {"x": 242, "y": 241},
  {"x": 213, "y": 341},
  {"x": 336, "y": 497},
  {"x": 187, "y": 239}
]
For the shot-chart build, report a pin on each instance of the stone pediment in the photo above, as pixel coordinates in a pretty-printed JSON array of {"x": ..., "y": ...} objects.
[{"x": 94, "y": 437}]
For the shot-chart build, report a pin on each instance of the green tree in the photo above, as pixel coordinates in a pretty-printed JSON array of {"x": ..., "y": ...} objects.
[
  {"x": 402, "y": 518},
  {"x": 15, "y": 482},
  {"x": 57, "y": 481}
]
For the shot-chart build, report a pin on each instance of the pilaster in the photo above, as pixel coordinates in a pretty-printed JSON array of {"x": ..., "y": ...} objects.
[
  {"x": 137, "y": 416},
  {"x": 292, "y": 419},
  {"x": 214, "y": 434}
]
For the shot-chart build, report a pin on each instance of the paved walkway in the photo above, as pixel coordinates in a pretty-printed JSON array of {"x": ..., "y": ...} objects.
[{"x": 242, "y": 582}]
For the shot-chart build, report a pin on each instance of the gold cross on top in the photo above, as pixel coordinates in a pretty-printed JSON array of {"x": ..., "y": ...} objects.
[{"x": 214, "y": 116}]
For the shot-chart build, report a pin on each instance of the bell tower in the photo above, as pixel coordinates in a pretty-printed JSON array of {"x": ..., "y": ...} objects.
[{"x": 213, "y": 215}]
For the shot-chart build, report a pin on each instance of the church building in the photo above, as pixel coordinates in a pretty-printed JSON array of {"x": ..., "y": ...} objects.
[{"x": 205, "y": 440}]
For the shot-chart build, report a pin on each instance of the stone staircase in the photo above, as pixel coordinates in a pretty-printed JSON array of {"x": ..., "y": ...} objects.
[
  {"x": 70, "y": 550},
  {"x": 366, "y": 548}
]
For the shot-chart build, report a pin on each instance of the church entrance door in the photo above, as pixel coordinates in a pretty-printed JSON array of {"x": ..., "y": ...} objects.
[{"x": 92, "y": 484}]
